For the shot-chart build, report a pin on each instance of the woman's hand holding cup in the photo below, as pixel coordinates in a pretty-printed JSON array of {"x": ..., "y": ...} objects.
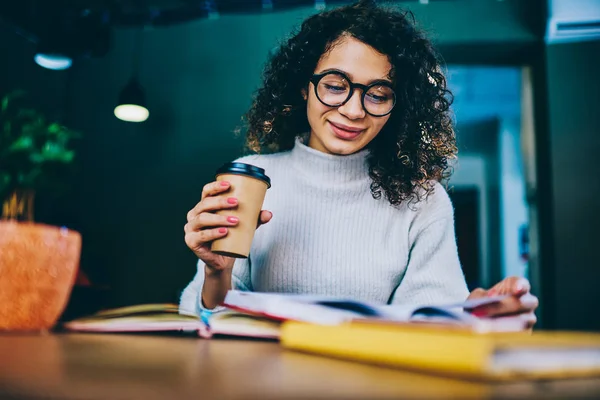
[{"x": 204, "y": 225}]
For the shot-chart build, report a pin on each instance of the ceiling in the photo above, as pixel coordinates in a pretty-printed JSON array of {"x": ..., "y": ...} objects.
[{"x": 33, "y": 16}]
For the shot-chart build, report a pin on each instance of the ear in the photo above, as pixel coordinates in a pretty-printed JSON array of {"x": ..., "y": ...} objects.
[{"x": 304, "y": 94}]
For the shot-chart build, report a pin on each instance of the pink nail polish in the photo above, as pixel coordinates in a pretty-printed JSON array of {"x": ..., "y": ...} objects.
[
  {"x": 233, "y": 220},
  {"x": 519, "y": 288},
  {"x": 222, "y": 230},
  {"x": 224, "y": 183},
  {"x": 232, "y": 200},
  {"x": 522, "y": 285}
]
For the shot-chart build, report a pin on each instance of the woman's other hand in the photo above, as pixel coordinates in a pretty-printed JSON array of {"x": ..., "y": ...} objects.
[{"x": 519, "y": 301}]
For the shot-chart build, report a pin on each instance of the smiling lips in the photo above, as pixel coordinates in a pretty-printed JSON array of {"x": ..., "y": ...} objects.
[{"x": 345, "y": 132}]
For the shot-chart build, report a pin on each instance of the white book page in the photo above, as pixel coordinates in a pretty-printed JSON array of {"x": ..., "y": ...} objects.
[{"x": 330, "y": 310}]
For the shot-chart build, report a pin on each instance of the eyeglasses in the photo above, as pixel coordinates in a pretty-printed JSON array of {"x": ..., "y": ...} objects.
[{"x": 334, "y": 89}]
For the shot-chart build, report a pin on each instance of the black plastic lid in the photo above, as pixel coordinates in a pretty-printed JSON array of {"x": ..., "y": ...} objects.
[{"x": 244, "y": 169}]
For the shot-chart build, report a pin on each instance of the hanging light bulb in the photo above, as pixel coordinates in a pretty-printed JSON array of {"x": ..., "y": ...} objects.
[
  {"x": 53, "y": 61},
  {"x": 54, "y": 52},
  {"x": 70, "y": 36},
  {"x": 132, "y": 103}
]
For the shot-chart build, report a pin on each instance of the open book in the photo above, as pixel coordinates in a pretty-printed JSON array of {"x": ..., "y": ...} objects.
[
  {"x": 333, "y": 311},
  {"x": 259, "y": 315},
  {"x": 167, "y": 318}
]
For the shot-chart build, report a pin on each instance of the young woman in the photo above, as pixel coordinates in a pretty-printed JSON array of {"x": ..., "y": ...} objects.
[{"x": 354, "y": 113}]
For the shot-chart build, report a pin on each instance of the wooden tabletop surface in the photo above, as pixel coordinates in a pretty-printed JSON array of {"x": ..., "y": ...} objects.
[{"x": 90, "y": 366}]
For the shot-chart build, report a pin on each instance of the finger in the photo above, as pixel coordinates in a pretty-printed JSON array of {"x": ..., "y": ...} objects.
[
  {"x": 512, "y": 305},
  {"x": 213, "y": 188},
  {"x": 195, "y": 240},
  {"x": 508, "y": 305},
  {"x": 478, "y": 294},
  {"x": 210, "y": 220},
  {"x": 529, "y": 302},
  {"x": 530, "y": 320},
  {"x": 514, "y": 286},
  {"x": 503, "y": 287},
  {"x": 264, "y": 217},
  {"x": 521, "y": 287},
  {"x": 212, "y": 204}
]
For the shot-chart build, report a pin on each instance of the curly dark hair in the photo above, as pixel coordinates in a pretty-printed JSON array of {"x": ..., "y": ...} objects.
[{"x": 415, "y": 145}]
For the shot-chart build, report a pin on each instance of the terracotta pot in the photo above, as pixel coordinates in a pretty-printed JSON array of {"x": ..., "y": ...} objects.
[{"x": 38, "y": 265}]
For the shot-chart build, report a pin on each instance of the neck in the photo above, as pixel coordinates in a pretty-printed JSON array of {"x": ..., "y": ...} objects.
[{"x": 330, "y": 167}]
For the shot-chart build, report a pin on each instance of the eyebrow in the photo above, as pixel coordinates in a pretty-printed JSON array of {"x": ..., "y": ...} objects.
[{"x": 349, "y": 75}]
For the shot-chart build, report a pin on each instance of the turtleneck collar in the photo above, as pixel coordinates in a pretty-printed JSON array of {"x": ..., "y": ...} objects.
[{"x": 330, "y": 167}]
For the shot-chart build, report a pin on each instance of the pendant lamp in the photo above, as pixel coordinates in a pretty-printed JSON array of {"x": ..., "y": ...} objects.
[{"x": 132, "y": 105}]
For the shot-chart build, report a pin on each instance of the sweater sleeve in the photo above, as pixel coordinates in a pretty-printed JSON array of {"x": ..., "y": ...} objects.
[
  {"x": 433, "y": 274},
  {"x": 191, "y": 297}
]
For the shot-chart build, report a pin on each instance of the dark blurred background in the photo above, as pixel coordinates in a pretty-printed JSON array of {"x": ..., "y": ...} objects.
[{"x": 525, "y": 78}]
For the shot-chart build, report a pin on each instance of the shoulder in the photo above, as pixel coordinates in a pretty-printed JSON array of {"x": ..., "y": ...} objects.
[
  {"x": 434, "y": 205},
  {"x": 438, "y": 198}
]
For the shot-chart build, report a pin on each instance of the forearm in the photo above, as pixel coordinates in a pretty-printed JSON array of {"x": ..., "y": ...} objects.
[{"x": 216, "y": 285}]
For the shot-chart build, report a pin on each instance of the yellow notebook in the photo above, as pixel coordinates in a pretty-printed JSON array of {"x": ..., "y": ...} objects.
[{"x": 458, "y": 352}]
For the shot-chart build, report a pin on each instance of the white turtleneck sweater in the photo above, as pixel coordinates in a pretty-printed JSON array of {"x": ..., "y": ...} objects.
[{"x": 329, "y": 236}]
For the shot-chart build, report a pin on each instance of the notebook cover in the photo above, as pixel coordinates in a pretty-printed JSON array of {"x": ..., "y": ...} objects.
[{"x": 457, "y": 352}]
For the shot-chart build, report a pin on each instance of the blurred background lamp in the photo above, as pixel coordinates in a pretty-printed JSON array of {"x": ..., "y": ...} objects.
[
  {"x": 66, "y": 37},
  {"x": 53, "y": 61},
  {"x": 54, "y": 51},
  {"x": 132, "y": 103}
]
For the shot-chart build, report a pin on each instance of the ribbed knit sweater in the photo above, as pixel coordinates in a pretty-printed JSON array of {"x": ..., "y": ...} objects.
[{"x": 329, "y": 236}]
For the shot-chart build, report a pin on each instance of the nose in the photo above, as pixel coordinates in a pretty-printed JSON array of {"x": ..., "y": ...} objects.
[{"x": 353, "y": 108}]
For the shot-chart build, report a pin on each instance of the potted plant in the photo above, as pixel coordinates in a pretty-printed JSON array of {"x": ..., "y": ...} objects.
[{"x": 38, "y": 262}]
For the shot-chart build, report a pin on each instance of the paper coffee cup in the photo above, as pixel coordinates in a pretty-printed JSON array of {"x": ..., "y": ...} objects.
[{"x": 249, "y": 185}]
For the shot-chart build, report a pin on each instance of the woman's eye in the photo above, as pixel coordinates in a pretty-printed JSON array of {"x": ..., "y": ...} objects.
[
  {"x": 335, "y": 88},
  {"x": 377, "y": 99}
]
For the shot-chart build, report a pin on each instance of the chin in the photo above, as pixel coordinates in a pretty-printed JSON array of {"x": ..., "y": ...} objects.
[{"x": 342, "y": 147}]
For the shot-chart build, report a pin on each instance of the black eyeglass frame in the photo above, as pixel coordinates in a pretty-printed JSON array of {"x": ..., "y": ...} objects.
[{"x": 316, "y": 78}]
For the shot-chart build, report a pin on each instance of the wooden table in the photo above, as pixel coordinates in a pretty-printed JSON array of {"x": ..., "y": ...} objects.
[{"x": 86, "y": 366}]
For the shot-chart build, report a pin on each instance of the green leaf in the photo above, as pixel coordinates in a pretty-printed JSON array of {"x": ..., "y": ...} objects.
[
  {"x": 55, "y": 128},
  {"x": 34, "y": 152},
  {"x": 9, "y": 97},
  {"x": 68, "y": 156},
  {"x": 37, "y": 158},
  {"x": 5, "y": 101},
  {"x": 22, "y": 143},
  {"x": 53, "y": 151}
]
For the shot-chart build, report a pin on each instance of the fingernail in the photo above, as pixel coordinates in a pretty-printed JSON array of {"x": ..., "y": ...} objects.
[
  {"x": 520, "y": 285},
  {"x": 224, "y": 183},
  {"x": 232, "y": 200},
  {"x": 518, "y": 288},
  {"x": 222, "y": 230},
  {"x": 529, "y": 301},
  {"x": 233, "y": 220},
  {"x": 479, "y": 313}
]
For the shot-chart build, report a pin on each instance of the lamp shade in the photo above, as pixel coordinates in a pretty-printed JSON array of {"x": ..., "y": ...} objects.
[
  {"x": 52, "y": 53},
  {"x": 132, "y": 103},
  {"x": 53, "y": 61}
]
